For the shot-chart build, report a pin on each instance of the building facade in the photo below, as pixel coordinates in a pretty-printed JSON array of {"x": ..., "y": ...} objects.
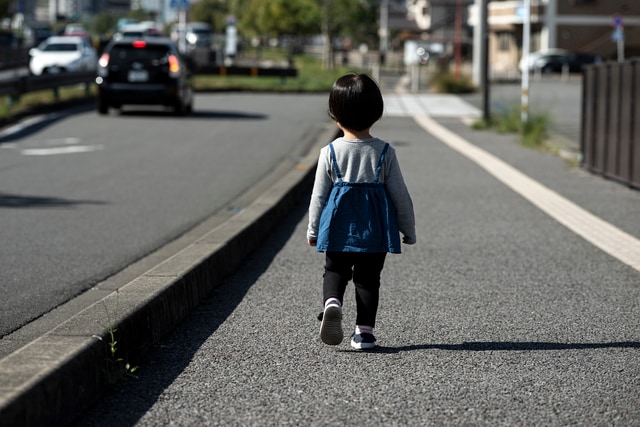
[{"x": 575, "y": 25}]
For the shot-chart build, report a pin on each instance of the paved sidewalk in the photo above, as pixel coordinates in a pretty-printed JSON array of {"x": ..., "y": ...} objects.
[{"x": 506, "y": 312}]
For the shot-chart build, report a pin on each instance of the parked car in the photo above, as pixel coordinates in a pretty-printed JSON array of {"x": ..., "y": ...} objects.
[
  {"x": 529, "y": 63},
  {"x": 75, "y": 30},
  {"x": 146, "y": 71},
  {"x": 62, "y": 53},
  {"x": 137, "y": 31},
  {"x": 573, "y": 61},
  {"x": 196, "y": 35},
  {"x": 555, "y": 61}
]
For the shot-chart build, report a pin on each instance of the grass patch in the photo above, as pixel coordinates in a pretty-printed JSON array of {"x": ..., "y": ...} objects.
[
  {"x": 312, "y": 77},
  {"x": 448, "y": 83},
  {"x": 40, "y": 101},
  {"x": 533, "y": 133}
]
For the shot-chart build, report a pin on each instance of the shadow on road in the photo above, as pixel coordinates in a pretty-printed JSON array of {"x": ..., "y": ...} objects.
[
  {"x": 196, "y": 114},
  {"x": 508, "y": 346},
  {"x": 172, "y": 356},
  {"x": 15, "y": 201}
]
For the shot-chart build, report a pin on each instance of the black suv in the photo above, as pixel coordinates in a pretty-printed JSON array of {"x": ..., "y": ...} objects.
[{"x": 147, "y": 71}]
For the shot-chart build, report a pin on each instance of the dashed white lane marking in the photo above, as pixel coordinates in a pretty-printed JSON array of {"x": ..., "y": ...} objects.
[
  {"x": 601, "y": 234},
  {"x": 61, "y": 150}
]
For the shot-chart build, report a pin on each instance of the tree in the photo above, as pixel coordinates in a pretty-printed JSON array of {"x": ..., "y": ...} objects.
[
  {"x": 275, "y": 18},
  {"x": 103, "y": 23},
  {"x": 213, "y": 12},
  {"x": 299, "y": 18},
  {"x": 357, "y": 19},
  {"x": 6, "y": 8}
]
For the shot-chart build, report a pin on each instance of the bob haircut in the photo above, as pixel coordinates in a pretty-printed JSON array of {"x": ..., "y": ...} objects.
[{"x": 355, "y": 101}]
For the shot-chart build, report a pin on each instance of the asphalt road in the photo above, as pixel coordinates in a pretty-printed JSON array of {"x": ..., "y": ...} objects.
[
  {"x": 83, "y": 196},
  {"x": 500, "y": 315}
]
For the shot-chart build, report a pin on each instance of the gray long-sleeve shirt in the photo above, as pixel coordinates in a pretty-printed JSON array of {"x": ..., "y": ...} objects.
[{"x": 357, "y": 162}]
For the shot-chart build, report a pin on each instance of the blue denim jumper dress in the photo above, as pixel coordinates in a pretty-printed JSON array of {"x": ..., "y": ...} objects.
[{"x": 358, "y": 217}]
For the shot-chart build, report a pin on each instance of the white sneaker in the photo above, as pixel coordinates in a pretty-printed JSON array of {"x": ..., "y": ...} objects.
[
  {"x": 363, "y": 341},
  {"x": 331, "y": 327}
]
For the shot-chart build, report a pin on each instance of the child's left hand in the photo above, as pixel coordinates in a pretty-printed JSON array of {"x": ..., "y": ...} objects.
[{"x": 311, "y": 242}]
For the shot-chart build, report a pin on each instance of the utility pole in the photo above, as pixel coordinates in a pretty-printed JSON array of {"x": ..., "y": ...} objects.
[
  {"x": 526, "y": 33},
  {"x": 458, "y": 40},
  {"x": 484, "y": 67},
  {"x": 384, "y": 30}
]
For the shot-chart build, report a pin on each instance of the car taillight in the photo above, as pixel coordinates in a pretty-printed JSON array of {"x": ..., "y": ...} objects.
[
  {"x": 174, "y": 64},
  {"x": 104, "y": 60},
  {"x": 139, "y": 44}
]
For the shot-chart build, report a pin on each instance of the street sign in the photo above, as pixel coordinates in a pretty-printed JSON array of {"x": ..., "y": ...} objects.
[
  {"x": 617, "y": 35},
  {"x": 179, "y": 4},
  {"x": 617, "y": 21}
]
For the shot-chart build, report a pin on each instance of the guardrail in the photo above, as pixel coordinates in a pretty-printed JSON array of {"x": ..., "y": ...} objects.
[
  {"x": 18, "y": 86},
  {"x": 11, "y": 58},
  {"x": 610, "y": 139}
]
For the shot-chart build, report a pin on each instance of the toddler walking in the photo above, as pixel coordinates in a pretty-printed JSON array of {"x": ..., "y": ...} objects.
[{"x": 359, "y": 206}]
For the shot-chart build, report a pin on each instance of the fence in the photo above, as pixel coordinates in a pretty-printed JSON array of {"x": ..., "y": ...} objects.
[{"x": 610, "y": 139}]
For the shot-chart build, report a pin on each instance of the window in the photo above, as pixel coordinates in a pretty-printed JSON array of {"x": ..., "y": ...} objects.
[{"x": 504, "y": 41}]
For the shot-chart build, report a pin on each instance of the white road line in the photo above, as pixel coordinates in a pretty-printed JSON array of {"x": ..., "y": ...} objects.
[
  {"x": 610, "y": 239},
  {"x": 61, "y": 150},
  {"x": 436, "y": 105}
]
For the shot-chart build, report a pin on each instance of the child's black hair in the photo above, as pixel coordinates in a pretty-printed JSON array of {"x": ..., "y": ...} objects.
[{"x": 355, "y": 101}]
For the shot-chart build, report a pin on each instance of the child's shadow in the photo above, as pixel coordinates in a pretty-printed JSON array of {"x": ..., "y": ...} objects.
[{"x": 507, "y": 346}]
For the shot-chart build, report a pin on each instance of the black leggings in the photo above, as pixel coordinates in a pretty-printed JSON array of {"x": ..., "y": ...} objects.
[{"x": 365, "y": 269}]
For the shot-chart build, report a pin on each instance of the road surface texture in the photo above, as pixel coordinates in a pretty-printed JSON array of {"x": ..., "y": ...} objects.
[{"x": 519, "y": 305}]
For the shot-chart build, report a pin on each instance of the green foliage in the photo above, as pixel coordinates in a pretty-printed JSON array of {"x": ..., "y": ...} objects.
[
  {"x": 448, "y": 83},
  {"x": 533, "y": 132},
  {"x": 312, "y": 77},
  {"x": 5, "y": 8},
  {"x": 116, "y": 369},
  {"x": 141, "y": 15},
  {"x": 33, "y": 102},
  {"x": 356, "y": 19},
  {"x": 213, "y": 12},
  {"x": 273, "y": 18},
  {"x": 103, "y": 23}
]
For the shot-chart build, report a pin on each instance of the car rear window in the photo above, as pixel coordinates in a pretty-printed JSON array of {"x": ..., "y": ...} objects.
[
  {"x": 127, "y": 53},
  {"x": 61, "y": 47},
  {"x": 138, "y": 34}
]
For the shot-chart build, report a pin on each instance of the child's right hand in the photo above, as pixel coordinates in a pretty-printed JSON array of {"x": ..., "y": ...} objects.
[
  {"x": 408, "y": 241},
  {"x": 311, "y": 242}
]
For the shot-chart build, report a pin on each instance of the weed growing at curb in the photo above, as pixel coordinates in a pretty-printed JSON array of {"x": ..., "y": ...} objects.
[
  {"x": 449, "y": 83},
  {"x": 116, "y": 369},
  {"x": 533, "y": 132}
]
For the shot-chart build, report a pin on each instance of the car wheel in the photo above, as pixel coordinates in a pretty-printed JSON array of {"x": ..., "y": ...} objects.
[
  {"x": 547, "y": 69},
  {"x": 103, "y": 107},
  {"x": 179, "y": 109}
]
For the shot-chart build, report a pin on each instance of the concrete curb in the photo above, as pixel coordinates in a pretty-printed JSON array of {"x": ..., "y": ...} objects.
[
  {"x": 55, "y": 377},
  {"x": 565, "y": 147}
]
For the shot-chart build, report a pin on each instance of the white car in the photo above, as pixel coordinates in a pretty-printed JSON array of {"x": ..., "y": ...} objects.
[{"x": 63, "y": 53}]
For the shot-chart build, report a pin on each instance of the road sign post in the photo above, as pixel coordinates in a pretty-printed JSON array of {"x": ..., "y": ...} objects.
[
  {"x": 618, "y": 36},
  {"x": 181, "y": 6}
]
